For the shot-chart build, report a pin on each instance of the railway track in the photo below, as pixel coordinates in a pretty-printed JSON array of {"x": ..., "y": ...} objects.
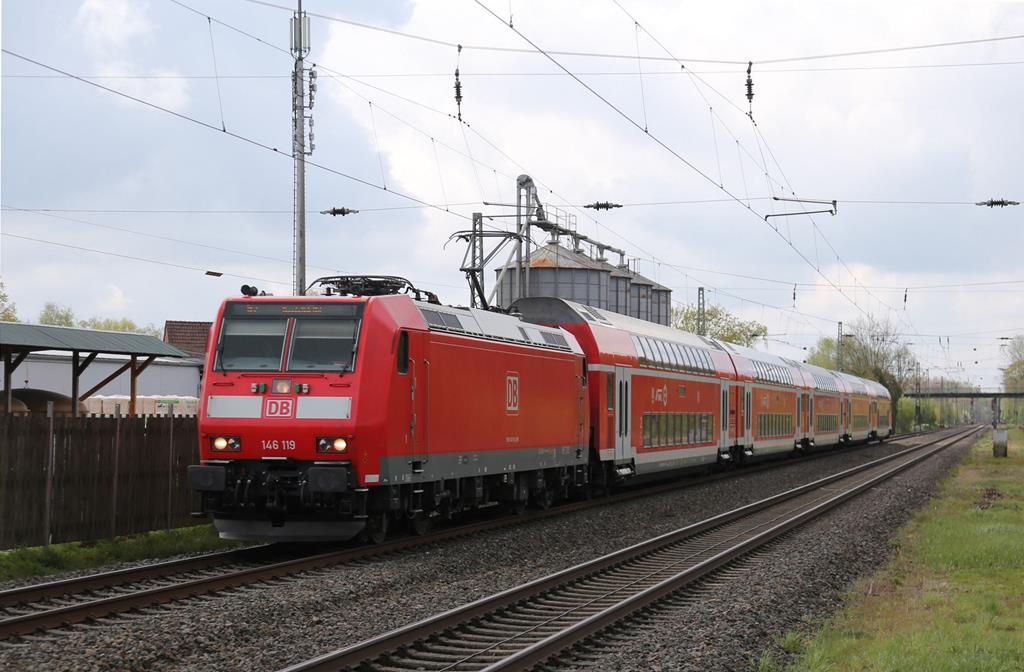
[
  {"x": 32, "y": 609},
  {"x": 525, "y": 626}
]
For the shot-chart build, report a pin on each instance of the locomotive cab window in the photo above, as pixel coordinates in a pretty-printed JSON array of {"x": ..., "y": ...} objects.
[
  {"x": 323, "y": 345},
  {"x": 248, "y": 344}
]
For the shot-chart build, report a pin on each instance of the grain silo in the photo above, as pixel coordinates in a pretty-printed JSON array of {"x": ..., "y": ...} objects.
[{"x": 559, "y": 272}]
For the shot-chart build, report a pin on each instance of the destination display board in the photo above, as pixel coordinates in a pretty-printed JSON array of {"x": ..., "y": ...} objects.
[{"x": 290, "y": 309}]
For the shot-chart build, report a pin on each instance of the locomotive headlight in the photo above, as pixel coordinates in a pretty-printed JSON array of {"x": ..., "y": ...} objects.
[
  {"x": 331, "y": 445},
  {"x": 226, "y": 443}
]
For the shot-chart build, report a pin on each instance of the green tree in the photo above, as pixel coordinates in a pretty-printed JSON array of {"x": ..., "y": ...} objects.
[
  {"x": 56, "y": 315},
  {"x": 8, "y": 311},
  {"x": 123, "y": 324},
  {"x": 1013, "y": 378},
  {"x": 872, "y": 349},
  {"x": 823, "y": 354},
  {"x": 722, "y": 324}
]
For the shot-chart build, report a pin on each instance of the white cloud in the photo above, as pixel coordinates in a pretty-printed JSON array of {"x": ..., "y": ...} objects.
[
  {"x": 114, "y": 302},
  {"x": 115, "y": 34},
  {"x": 110, "y": 27}
]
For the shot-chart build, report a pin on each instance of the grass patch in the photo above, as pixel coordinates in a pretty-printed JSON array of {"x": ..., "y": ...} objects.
[
  {"x": 21, "y": 563},
  {"x": 953, "y": 597}
]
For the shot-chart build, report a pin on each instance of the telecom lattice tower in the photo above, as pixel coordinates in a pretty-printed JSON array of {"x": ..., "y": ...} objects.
[{"x": 299, "y": 42}]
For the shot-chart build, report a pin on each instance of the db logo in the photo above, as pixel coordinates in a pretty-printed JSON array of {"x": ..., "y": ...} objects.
[
  {"x": 512, "y": 393},
  {"x": 278, "y": 408},
  {"x": 659, "y": 395}
]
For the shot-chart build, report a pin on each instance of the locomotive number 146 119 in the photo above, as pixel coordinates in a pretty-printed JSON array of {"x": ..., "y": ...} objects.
[{"x": 278, "y": 444}]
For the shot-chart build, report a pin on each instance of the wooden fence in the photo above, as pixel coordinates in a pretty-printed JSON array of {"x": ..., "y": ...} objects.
[{"x": 71, "y": 479}]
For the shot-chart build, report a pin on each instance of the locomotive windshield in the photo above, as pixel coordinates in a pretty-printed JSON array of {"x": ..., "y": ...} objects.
[
  {"x": 323, "y": 345},
  {"x": 248, "y": 344}
]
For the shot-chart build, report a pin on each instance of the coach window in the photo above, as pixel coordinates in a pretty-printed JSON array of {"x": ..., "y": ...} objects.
[
  {"x": 403, "y": 352},
  {"x": 667, "y": 349},
  {"x": 645, "y": 348},
  {"x": 690, "y": 364},
  {"x": 680, "y": 356},
  {"x": 673, "y": 355}
]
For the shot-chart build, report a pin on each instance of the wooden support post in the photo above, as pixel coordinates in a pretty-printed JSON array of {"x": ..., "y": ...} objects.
[
  {"x": 78, "y": 367},
  {"x": 75, "y": 368},
  {"x": 131, "y": 399},
  {"x": 50, "y": 465},
  {"x": 10, "y": 364},
  {"x": 137, "y": 370},
  {"x": 114, "y": 478},
  {"x": 8, "y": 379}
]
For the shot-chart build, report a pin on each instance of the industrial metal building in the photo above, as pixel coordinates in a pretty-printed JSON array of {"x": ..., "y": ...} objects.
[{"x": 560, "y": 272}]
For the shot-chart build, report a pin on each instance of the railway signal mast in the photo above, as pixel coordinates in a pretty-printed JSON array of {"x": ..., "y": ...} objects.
[{"x": 299, "y": 42}]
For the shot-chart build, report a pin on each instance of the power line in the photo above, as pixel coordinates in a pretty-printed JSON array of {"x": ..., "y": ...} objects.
[
  {"x": 335, "y": 76},
  {"x": 232, "y": 134},
  {"x": 274, "y": 149},
  {"x": 630, "y": 57},
  {"x": 143, "y": 259},
  {"x": 234, "y": 28},
  {"x": 183, "y": 242},
  {"x": 225, "y": 212},
  {"x": 582, "y": 73},
  {"x": 662, "y": 144}
]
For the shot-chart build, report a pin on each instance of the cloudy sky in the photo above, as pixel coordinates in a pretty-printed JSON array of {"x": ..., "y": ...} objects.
[{"x": 116, "y": 208}]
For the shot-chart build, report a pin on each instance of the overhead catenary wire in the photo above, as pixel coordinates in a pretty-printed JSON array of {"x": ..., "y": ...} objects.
[
  {"x": 743, "y": 62},
  {"x": 181, "y": 241},
  {"x": 503, "y": 153},
  {"x": 581, "y": 73},
  {"x": 234, "y": 28},
  {"x": 763, "y": 166},
  {"x": 216, "y": 75},
  {"x": 416, "y": 102},
  {"x": 192, "y": 211},
  {"x": 132, "y": 257},
  {"x": 237, "y": 136}
]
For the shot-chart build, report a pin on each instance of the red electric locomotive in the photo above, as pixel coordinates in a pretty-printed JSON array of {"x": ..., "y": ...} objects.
[{"x": 325, "y": 415}]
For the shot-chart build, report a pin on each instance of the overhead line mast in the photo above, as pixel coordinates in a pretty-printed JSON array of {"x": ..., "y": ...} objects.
[{"x": 299, "y": 38}]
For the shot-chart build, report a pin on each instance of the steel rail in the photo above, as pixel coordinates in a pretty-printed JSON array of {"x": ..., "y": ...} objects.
[
  {"x": 52, "y": 617},
  {"x": 51, "y": 589},
  {"x": 402, "y": 639},
  {"x": 555, "y": 644}
]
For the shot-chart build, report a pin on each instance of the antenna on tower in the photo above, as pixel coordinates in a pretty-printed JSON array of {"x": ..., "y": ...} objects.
[{"x": 299, "y": 43}]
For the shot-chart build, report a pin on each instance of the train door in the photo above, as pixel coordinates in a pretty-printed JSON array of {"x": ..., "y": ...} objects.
[
  {"x": 723, "y": 440},
  {"x": 810, "y": 417},
  {"x": 418, "y": 364},
  {"x": 623, "y": 418},
  {"x": 735, "y": 421},
  {"x": 801, "y": 418},
  {"x": 805, "y": 411},
  {"x": 748, "y": 411},
  {"x": 847, "y": 417}
]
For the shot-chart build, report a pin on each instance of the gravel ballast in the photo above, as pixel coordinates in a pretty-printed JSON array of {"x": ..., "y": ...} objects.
[
  {"x": 270, "y": 626},
  {"x": 791, "y": 585}
]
